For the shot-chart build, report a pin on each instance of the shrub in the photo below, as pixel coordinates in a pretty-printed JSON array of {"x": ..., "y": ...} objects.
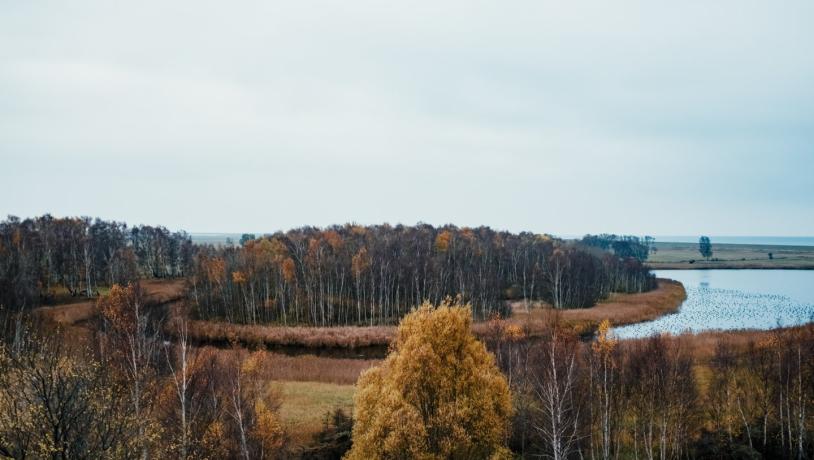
[{"x": 438, "y": 394}]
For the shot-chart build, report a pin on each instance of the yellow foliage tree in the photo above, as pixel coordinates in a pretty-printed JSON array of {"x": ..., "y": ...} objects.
[
  {"x": 442, "y": 241},
  {"x": 268, "y": 432},
  {"x": 437, "y": 395}
]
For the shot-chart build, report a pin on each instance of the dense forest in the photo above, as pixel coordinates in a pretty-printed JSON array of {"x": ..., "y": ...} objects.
[
  {"x": 44, "y": 258},
  {"x": 339, "y": 275},
  {"x": 374, "y": 275},
  {"x": 747, "y": 396},
  {"x": 133, "y": 394}
]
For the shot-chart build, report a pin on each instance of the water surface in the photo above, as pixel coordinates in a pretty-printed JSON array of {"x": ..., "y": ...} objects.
[{"x": 734, "y": 299}]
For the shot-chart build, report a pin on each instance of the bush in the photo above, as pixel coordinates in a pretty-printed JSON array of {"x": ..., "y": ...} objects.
[
  {"x": 335, "y": 438},
  {"x": 438, "y": 394}
]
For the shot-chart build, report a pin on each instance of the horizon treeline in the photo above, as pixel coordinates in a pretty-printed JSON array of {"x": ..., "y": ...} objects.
[
  {"x": 40, "y": 255},
  {"x": 355, "y": 274}
]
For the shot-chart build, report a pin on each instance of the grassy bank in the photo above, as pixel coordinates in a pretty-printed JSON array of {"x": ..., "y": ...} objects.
[
  {"x": 305, "y": 405},
  {"x": 686, "y": 256},
  {"x": 620, "y": 309}
]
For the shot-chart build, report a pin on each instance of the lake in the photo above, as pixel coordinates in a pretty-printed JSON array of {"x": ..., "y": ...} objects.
[{"x": 734, "y": 299}]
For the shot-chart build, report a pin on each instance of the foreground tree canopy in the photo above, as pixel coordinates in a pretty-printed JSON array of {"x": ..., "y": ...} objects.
[
  {"x": 438, "y": 395},
  {"x": 131, "y": 394}
]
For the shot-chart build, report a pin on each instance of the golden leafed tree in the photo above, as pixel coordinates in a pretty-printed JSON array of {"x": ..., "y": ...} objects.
[{"x": 438, "y": 394}]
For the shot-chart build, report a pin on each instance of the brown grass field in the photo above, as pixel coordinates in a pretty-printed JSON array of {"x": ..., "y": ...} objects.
[
  {"x": 308, "y": 387},
  {"x": 307, "y": 337},
  {"x": 679, "y": 255},
  {"x": 300, "y": 368},
  {"x": 310, "y": 368},
  {"x": 702, "y": 345},
  {"x": 306, "y": 404}
]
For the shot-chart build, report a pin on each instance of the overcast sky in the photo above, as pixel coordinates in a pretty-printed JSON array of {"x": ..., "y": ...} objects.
[{"x": 643, "y": 117}]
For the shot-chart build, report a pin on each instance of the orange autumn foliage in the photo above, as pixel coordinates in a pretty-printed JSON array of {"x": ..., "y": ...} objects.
[
  {"x": 289, "y": 270},
  {"x": 238, "y": 277},
  {"x": 443, "y": 240}
]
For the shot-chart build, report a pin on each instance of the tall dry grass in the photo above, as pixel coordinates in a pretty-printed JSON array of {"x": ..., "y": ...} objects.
[
  {"x": 309, "y": 337},
  {"x": 702, "y": 345},
  {"x": 301, "y": 368},
  {"x": 622, "y": 309},
  {"x": 619, "y": 309}
]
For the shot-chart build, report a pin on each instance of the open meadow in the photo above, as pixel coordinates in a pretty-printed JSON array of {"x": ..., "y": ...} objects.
[{"x": 686, "y": 256}]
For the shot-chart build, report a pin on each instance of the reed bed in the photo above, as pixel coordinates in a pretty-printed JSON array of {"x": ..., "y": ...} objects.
[
  {"x": 309, "y": 337},
  {"x": 619, "y": 309},
  {"x": 300, "y": 368},
  {"x": 309, "y": 368},
  {"x": 702, "y": 345},
  {"x": 622, "y": 309}
]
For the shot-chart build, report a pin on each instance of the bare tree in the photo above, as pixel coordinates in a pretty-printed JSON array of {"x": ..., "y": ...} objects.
[{"x": 555, "y": 378}]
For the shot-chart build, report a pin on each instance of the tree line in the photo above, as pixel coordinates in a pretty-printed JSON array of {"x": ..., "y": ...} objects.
[
  {"x": 655, "y": 398},
  {"x": 624, "y": 246},
  {"x": 355, "y": 274},
  {"x": 132, "y": 394},
  {"x": 42, "y": 257},
  {"x": 129, "y": 393}
]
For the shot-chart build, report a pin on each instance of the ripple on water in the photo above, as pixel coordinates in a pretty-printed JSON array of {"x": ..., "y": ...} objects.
[{"x": 708, "y": 308}]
